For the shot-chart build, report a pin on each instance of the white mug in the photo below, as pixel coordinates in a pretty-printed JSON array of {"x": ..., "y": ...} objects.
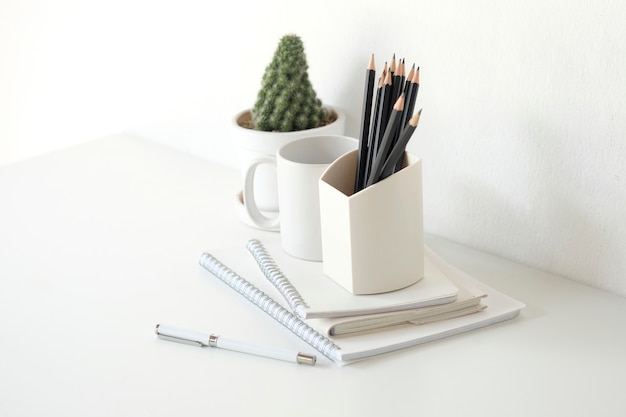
[
  {"x": 299, "y": 165},
  {"x": 252, "y": 144}
]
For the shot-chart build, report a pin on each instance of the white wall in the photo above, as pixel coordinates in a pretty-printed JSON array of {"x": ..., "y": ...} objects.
[{"x": 524, "y": 125}]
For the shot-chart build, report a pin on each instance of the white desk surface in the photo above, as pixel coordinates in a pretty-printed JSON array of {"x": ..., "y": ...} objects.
[{"x": 100, "y": 242}]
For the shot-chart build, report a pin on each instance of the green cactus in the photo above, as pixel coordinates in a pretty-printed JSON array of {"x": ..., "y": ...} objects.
[{"x": 287, "y": 101}]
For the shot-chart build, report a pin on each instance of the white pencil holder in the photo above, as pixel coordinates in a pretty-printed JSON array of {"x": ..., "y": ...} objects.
[{"x": 373, "y": 240}]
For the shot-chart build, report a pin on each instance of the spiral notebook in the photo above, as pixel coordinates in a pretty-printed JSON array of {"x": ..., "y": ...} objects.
[{"x": 247, "y": 278}]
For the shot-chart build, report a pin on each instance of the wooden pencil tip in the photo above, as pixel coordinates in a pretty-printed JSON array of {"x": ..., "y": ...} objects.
[
  {"x": 416, "y": 76},
  {"x": 388, "y": 79},
  {"x": 371, "y": 65},
  {"x": 399, "y": 104},
  {"x": 413, "y": 121}
]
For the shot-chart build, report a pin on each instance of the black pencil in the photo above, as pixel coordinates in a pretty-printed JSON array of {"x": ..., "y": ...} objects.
[
  {"x": 409, "y": 79},
  {"x": 396, "y": 156},
  {"x": 408, "y": 92},
  {"x": 398, "y": 89},
  {"x": 386, "y": 104},
  {"x": 412, "y": 97},
  {"x": 396, "y": 82},
  {"x": 410, "y": 102},
  {"x": 386, "y": 142},
  {"x": 382, "y": 118},
  {"x": 376, "y": 110},
  {"x": 374, "y": 128},
  {"x": 370, "y": 75},
  {"x": 378, "y": 105}
]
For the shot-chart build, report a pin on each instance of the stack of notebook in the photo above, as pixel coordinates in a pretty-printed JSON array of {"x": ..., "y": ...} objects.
[{"x": 446, "y": 301}]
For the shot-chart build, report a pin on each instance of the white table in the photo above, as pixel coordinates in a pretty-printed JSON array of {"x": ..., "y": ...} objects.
[{"x": 100, "y": 242}]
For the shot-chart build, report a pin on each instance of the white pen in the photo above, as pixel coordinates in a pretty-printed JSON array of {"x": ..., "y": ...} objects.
[{"x": 190, "y": 337}]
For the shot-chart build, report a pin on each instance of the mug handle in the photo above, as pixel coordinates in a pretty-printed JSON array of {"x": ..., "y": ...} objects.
[{"x": 255, "y": 215}]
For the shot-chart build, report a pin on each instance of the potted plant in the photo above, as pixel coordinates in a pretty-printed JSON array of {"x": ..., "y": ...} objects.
[{"x": 287, "y": 108}]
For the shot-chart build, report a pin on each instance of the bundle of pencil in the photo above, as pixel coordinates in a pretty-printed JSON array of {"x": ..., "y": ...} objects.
[{"x": 387, "y": 121}]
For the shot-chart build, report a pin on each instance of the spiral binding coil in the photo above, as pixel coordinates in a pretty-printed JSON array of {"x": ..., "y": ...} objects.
[
  {"x": 320, "y": 342},
  {"x": 273, "y": 273}
]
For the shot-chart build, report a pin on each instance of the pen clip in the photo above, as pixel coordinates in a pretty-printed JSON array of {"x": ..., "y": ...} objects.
[{"x": 178, "y": 339}]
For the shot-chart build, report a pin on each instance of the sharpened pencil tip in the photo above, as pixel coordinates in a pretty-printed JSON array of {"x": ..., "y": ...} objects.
[
  {"x": 416, "y": 76},
  {"x": 415, "y": 119},
  {"x": 371, "y": 65},
  {"x": 399, "y": 105},
  {"x": 388, "y": 79}
]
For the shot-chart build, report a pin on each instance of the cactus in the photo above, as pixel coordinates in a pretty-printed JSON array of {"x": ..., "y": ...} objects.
[{"x": 287, "y": 101}]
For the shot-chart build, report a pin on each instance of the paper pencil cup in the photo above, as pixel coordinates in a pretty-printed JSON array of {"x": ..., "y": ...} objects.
[{"x": 372, "y": 241}]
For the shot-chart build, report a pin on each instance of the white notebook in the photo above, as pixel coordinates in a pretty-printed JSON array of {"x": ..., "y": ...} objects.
[
  {"x": 469, "y": 301},
  {"x": 312, "y": 294},
  {"x": 237, "y": 268}
]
